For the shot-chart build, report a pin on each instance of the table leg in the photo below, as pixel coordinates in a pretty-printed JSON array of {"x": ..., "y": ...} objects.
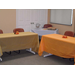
[
  {"x": 9, "y": 53},
  {"x": 30, "y": 50},
  {"x": 0, "y": 59},
  {"x": 47, "y": 55},
  {"x": 74, "y": 59},
  {"x": 18, "y": 52}
]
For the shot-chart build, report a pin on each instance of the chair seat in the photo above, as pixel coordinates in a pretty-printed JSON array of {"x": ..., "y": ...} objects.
[
  {"x": 18, "y": 29},
  {"x": 1, "y": 32},
  {"x": 47, "y": 25},
  {"x": 69, "y": 33}
]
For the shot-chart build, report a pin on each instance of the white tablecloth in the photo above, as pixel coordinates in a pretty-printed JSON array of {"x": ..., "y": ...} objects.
[{"x": 41, "y": 31}]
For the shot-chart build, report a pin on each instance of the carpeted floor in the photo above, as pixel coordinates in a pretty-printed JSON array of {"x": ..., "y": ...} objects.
[{"x": 27, "y": 58}]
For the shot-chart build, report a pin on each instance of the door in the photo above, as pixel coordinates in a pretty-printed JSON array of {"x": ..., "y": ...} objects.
[
  {"x": 28, "y": 18},
  {"x": 23, "y": 19}
]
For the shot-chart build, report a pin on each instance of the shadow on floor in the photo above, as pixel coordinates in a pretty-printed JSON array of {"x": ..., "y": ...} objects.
[
  {"x": 14, "y": 55},
  {"x": 64, "y": 61}
]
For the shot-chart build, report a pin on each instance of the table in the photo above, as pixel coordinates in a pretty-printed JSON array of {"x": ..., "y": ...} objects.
[
  {"x": 44, "y": 31},
  {"x": 23, "y": 40},
  {"x": 41, "y": 31},
  {"x": 56, "y": 45}
]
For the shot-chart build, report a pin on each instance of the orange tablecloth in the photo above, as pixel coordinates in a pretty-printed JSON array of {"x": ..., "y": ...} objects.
[{"x": 56, "y": 45}]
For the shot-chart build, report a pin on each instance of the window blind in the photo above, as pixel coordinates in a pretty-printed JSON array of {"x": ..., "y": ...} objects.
[{"x": 61, "y": 16}]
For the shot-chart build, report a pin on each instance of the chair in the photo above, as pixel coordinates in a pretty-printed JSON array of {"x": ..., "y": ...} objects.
[
  {"x": 69, "y": 33},
  {"x": 19, "y": 30},
  {"x": 47, "y": 25},
  {"x": 1, "y": 32}
]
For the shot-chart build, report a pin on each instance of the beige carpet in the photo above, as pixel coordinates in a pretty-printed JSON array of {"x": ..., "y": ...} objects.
[{"x": 27, "y": 58}]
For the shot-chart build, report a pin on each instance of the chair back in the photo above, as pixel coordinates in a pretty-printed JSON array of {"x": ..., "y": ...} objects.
[
  {"x": 69, "y": 33},
  {"x": 1, "y": 32},
  {"x": 47, "y": 25},
  {"x": 18, "y": 29}
]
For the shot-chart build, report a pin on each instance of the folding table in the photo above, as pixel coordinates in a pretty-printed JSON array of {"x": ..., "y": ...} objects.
[
  {"x": 23, "y": 40},
  {"x": 56, "y": 45}
]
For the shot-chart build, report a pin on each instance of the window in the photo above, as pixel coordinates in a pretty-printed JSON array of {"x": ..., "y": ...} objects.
[{"x": 61, "y": 16}]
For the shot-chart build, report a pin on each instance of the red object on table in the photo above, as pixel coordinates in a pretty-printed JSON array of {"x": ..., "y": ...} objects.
[
  {"x": 17, "y": 32},
  {"x": 64, "y": 36}
]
